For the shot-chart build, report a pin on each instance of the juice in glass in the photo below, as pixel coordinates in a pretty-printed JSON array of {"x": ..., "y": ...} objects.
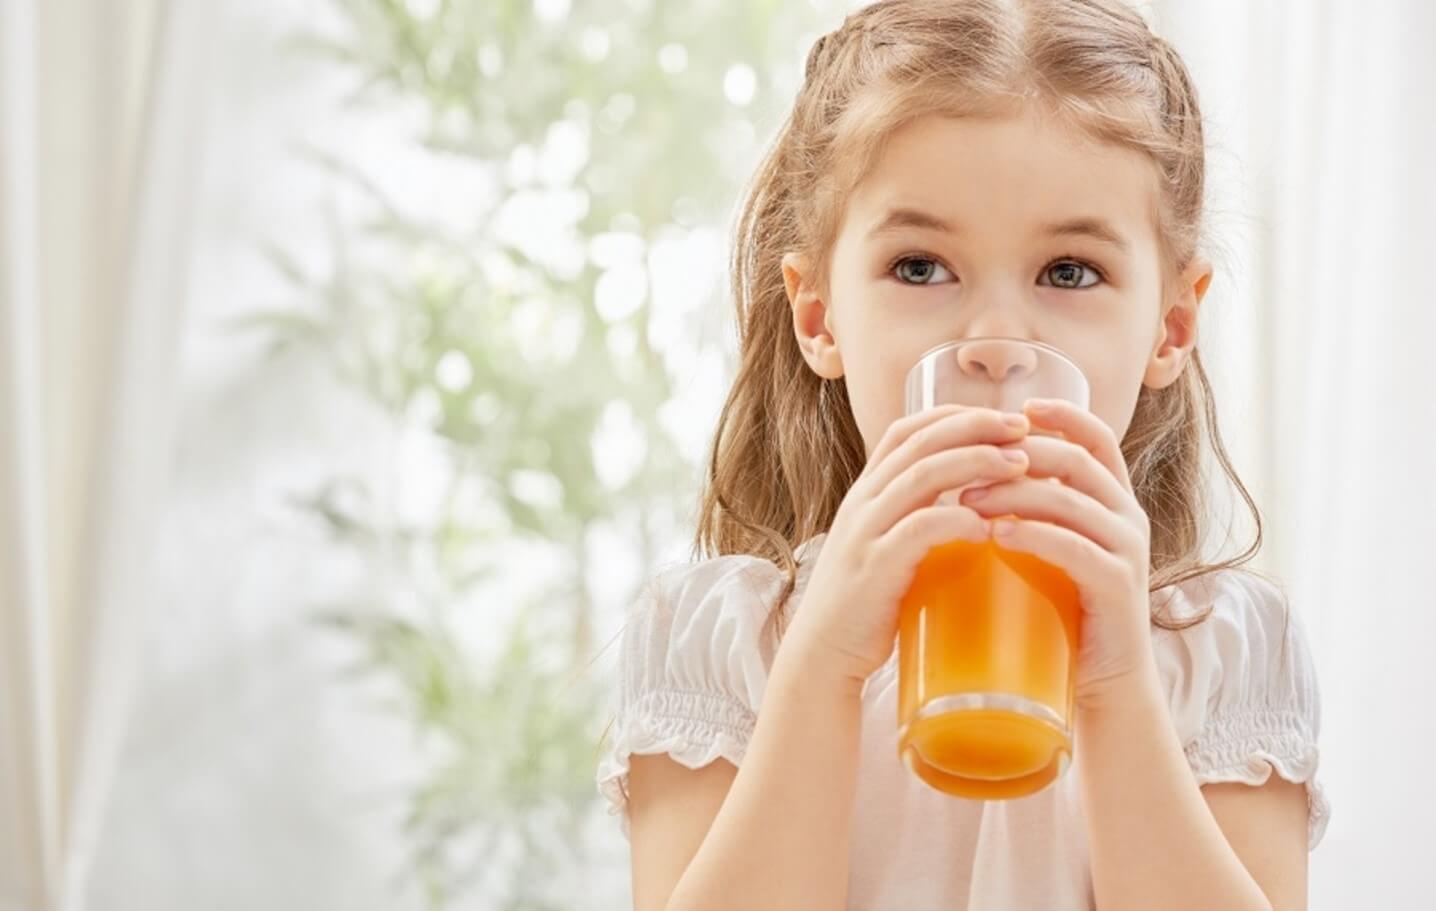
[{"x": 987, "y": 646}]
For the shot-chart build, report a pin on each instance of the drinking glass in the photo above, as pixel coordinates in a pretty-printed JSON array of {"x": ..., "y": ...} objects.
[{"x": 987, "y": 637}]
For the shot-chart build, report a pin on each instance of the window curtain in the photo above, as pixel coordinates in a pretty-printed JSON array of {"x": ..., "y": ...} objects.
[{"x": 97, "y": 162}]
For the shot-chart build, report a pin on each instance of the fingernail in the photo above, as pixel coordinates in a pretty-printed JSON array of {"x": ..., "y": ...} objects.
[
  {"x": 1003, "y": 527},
  {"x": 1015, "y": 420},
  {"x": 976, "y": 493},
  {"x": 1014, "y": 455}
]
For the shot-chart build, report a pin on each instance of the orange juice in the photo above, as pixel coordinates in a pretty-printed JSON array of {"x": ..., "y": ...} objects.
[{"x": 987, "y": 643}]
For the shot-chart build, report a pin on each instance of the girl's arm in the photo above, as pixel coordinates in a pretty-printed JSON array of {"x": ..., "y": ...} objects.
[{"x": 780, "y": 836}]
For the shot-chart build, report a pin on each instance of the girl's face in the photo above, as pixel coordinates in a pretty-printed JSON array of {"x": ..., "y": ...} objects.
[{"x": 1013, "y": 227}]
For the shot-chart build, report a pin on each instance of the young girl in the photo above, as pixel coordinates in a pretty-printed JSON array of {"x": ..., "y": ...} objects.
[{"x": 956, "y": 169}]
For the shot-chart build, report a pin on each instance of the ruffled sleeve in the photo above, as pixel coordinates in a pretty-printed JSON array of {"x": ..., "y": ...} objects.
[
  {"x": 695, "y": 652},
  {"x": 1242, "y": 686}
]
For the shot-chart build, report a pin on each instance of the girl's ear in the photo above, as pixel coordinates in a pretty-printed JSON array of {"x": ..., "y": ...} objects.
[
  {"x": 811, "y": 318},
  {"x": 1177, "y": 335}
]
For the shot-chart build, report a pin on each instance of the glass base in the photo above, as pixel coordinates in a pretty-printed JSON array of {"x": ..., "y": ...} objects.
[{"x": 986, "y": 746}]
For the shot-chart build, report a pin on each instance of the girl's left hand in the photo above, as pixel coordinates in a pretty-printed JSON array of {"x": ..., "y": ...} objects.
[{"x": 1091, "y": 527}]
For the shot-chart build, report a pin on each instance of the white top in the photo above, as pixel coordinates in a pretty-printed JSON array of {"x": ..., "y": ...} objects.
[{"x": 695, "y": 659}]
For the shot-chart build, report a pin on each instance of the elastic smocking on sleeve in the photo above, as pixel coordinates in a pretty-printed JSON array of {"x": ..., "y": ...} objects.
[
  {"x": 693, "y": 663},
  {"x": 1243, "y": 687}
]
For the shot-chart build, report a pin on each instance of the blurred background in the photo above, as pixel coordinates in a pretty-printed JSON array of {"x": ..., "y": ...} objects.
[{"x": 357, "y": 363}]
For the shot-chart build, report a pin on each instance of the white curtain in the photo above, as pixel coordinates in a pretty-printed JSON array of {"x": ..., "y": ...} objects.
[
  {"x": 1321, "y": 117},
  {"x": 97, "y": 161}
]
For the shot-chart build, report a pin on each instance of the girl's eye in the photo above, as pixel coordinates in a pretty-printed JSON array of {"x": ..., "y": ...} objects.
[
  {"x": 1067, "y": 273},
  {"x": 1062, "y": 273},
  {"x": 918, "y": 270}
]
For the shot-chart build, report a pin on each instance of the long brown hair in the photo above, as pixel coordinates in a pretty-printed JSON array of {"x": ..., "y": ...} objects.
[{"x": 787, "y": 447}]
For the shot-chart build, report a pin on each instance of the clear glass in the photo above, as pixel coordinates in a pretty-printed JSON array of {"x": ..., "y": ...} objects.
[{"x": 987, "y": 637}]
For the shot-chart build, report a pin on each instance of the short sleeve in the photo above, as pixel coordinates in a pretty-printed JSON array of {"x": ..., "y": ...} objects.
[
  {"x": 1242, "y": 686},
  {"x": 692, "y": 667}
]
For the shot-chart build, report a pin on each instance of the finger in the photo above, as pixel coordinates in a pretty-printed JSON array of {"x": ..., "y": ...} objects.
[
  {"x": 1090, "y": 567},
  {"x": 923, "y": 529},
  {"x": 1083, "y": 428},
  {"x": 963, "y": 427},
  {"x": 928, "y": 478},
  {"x": 1077, "y": 467},
  {"x": 1058, "y": 504},
  {"x": 902, "y": 428}
]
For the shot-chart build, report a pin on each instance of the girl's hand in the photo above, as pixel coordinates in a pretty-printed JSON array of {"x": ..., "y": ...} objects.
[
  {"x": 1090, "y": 526},
  {"x": 886, "y": 524}
]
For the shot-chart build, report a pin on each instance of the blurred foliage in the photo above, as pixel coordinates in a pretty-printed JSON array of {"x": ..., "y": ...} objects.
[{"x": 620, "y": 122}]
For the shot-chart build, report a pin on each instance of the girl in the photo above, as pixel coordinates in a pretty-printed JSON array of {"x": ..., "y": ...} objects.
[{"x": 955, "y": 169}]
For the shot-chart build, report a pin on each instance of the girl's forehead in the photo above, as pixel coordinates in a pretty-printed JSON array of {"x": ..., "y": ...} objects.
[{"x": 1015, "y": 168}]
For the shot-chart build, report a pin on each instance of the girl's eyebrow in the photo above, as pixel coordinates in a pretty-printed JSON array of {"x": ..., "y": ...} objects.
[{"x": 1089, "y": 226}]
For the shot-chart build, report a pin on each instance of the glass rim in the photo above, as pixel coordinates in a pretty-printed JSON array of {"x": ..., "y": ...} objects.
[{"x": 1041, "y": 346}]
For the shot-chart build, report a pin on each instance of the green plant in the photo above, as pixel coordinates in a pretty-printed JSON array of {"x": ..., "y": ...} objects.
[{"x": 617, "y": 124}]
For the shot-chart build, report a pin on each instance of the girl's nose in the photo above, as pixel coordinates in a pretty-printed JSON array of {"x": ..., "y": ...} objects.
[{"x": 996, "y": 360}]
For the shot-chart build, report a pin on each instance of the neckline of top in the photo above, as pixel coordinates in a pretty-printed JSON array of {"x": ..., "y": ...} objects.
[{"x": 809, "y": 547}]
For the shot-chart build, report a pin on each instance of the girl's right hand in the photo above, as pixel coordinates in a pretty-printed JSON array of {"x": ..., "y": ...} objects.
[{"x": 888, "y": 521}]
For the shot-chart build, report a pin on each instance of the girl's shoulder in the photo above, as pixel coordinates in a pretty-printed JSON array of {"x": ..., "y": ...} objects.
[
  {"x": 732, "y": 588},
  {"x": 706, "y": 626},
  {"x": 1229, "y": 616},
  {"x": 707, "y": 586},
  {"x": 696, "y": 651},
  {"x": 1241, "y": 683}
]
